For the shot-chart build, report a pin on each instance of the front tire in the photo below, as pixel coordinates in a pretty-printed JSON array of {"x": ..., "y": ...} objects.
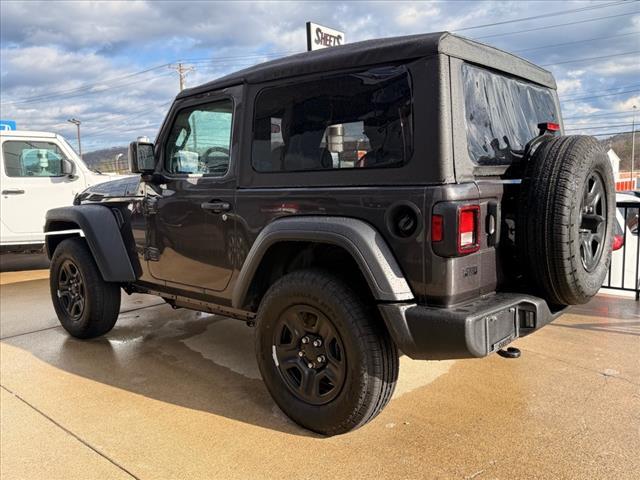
[
  {"x": 85, "y": 304},
  {"x": 326, "y": 359}
]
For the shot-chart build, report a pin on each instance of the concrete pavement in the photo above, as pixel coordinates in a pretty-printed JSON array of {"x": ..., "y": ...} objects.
[{"x": 175, "y": 394}]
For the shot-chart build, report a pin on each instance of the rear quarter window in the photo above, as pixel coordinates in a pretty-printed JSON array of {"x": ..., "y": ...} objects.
[
  {"x": 346, "y": 121},
  {"x": 502, "y": 114}
]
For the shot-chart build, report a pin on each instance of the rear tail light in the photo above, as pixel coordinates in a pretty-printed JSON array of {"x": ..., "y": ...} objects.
[
  {"x": 548, "y": 127},
  {"x": 455, "y": 228},
  {"x": 618, "y": 242},
  {"x": 436, "y": 228},
  {"x": 468, "y": 229}
]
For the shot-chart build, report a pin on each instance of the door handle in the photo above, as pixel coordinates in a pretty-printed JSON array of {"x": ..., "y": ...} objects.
[
  {"x": 216, "y": 206},
  {"x": 13, "y": 192}
]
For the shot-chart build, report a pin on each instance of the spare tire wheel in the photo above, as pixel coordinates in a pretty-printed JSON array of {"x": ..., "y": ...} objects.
[{"x": 565, "y": 219}]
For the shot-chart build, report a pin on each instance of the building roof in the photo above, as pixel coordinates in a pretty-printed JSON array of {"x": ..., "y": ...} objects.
[{"x": 378, "y": 51}]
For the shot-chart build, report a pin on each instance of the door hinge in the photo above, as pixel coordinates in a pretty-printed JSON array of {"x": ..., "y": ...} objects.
[
  {"x": 150, "y": 206},
  {"x": 151, "y": 254}
]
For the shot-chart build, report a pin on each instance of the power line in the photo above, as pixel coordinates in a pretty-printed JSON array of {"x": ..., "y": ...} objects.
[
  {"x": 129, "y": 116},
  {"x": 599, "y": 91},
  {"x": 239, "y": 57},
  {"x": 600, "y": 96},
  {"x": 588, "y": 40},
  {"x": 615, "y": 125},
  {"x": 592, "y": 58},
  {"x": 85, "y": 87},
  {"x": 604, "y": 114},
  {"x": 553, "y": 26},
  {"x": 43, "y": 98},
  {"x": 82, "y": 94},
  {"x": 598, "y": 123},
  {"x": 609, "y": 134},
  {"x": 544, "y": 15}
]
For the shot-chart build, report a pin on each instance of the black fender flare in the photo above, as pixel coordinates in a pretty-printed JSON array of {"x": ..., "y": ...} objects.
[
  {"x": 99, "y": 227},
  {"x": 365, "y": 244}
]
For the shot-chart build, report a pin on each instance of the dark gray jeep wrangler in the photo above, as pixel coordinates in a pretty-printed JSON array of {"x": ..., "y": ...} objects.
[{"x": 411, "y": 194}]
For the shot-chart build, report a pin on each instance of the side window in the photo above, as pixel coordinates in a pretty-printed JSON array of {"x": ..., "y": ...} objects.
[
  {"x": 200, "y": 140},
  {"x": 357, "y": 120},
  {"x": 32, "y": 159}
]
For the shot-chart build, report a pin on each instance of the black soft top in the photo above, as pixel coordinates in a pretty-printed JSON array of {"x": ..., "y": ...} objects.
[{"x": 378, "y": 51}]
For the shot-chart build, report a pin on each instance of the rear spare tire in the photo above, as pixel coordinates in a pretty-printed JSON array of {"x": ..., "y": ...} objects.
[{"x": 565, "y": 219}]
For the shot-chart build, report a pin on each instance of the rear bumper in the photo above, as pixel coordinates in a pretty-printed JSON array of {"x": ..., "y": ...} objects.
[{"x": 472, "y": 329}]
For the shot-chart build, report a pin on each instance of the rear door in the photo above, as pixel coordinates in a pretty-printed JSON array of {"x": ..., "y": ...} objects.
[
  {"x": 191, "y": 224},
  {"x": 32, "y": 183}
]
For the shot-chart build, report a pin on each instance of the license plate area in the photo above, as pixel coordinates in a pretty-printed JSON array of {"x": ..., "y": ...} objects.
[{"x": 501, "y": 328}]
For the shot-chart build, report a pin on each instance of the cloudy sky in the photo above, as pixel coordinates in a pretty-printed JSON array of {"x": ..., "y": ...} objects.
[{"x": 108, "y": 63}]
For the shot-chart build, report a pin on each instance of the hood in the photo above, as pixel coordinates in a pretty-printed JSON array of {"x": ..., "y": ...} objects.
[{"x": 120, "y": 189}]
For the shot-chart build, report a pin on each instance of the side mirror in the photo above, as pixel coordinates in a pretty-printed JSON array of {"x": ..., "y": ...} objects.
[
  {"x": 68, "y": 167},
  {"x": 141, "y": 157}
]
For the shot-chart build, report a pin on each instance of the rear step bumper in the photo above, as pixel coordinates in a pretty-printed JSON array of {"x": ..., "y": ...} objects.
[{"x": 472, "y": 329}]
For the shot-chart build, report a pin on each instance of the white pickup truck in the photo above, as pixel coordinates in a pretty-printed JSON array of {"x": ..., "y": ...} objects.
[{"x": 38, "y": 171}]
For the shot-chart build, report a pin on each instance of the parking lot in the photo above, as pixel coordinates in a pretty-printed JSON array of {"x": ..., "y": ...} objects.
[{"x": 177, "y": 394}]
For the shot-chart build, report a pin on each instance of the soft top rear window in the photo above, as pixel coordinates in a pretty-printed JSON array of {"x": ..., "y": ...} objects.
[{"x": 502, "y": 114}]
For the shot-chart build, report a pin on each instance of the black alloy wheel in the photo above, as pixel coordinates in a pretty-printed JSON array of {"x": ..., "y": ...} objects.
[
  {"x": 71, "y": 290},
  {"x": 593, "y": 224},
  {"x": 309, "y": 354},
  {"x": 324, "y": 354},
  {"x": 85, "y": 304}
]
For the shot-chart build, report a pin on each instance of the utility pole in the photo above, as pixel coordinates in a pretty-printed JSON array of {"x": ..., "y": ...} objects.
[
  {"x": 633, "y": 144},
  {"x": 77, "y": 124},
  {"x": 182, "y": 73}
]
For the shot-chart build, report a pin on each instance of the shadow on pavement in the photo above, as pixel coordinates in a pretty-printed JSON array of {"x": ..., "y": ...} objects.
[
  {"x": 625, "y": 328},
  {"x": 16, "y": 262},
  {"x": 609, "y": 306},
  {"x": 193, "y": 360}
]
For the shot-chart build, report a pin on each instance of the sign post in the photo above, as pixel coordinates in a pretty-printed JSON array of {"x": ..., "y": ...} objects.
[{"x": 319, "y": 37}]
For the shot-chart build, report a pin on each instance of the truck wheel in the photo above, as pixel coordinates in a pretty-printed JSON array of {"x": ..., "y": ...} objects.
[
  {"x": 566, "y": 215},
  {"x": 326, "y": 360},
  {"x": 86, "y": 305}
]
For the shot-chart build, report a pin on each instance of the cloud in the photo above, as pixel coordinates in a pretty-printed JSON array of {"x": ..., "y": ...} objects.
[
  {"x": 416, "y": 15},
  {"x": 30, "y": 68},
  {"x": 568, "y": 85},
  {"x": 628, "y": 104},
  {"x": 48, "y": 48}
]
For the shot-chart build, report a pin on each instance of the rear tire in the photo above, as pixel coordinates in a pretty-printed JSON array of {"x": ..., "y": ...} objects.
[
  {"x": 85, "y": 304},
  {"x": 349, "y": 365},
  {"x": 565, "y": 223}
]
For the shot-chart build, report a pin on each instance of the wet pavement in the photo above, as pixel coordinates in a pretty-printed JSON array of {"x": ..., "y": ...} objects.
[{"x": 176, "y": 394}]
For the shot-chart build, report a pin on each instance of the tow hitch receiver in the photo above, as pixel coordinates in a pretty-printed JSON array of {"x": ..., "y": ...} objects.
[{"x": 511, "y": 352}]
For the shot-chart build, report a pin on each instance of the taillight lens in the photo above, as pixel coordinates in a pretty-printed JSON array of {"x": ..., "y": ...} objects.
[
  {"x": 436, "y": 228},
  {"x": 468, "y": 229},
  {"x": 618, "y": 242}
]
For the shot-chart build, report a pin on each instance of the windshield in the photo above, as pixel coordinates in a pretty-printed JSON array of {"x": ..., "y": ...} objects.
[{"x": 502, "y": 114}]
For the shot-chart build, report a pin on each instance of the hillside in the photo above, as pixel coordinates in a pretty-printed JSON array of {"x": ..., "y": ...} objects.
[
  {"x": 108, "y": 159},
  {"x": 621, "y": 144}
]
